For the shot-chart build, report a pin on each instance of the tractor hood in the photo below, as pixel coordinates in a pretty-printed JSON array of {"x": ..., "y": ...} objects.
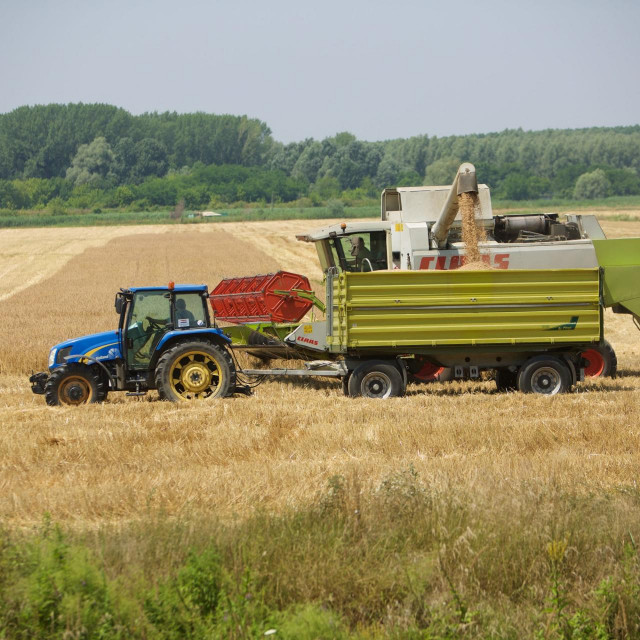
[{"x": 97, "y": 346}]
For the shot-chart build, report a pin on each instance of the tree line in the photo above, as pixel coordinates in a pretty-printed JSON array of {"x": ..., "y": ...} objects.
[{"x": 87, "y": 154}]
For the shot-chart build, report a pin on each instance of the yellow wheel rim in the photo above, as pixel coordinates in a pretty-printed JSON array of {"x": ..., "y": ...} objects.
[
  {"x": 195, "y": 374},
  {"x": 74, "y": 390}
]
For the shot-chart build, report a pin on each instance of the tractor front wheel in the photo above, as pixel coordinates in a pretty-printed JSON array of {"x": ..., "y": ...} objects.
[
  {"x": 74, "y": 384},
  {"x": 195, "y": 371}
]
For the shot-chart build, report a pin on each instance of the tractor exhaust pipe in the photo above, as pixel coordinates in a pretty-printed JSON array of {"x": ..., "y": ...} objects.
[{"x": 465, "y": 182}]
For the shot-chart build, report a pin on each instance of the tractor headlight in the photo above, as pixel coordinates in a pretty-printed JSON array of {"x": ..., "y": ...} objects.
[{"x": 58, "y": 356}]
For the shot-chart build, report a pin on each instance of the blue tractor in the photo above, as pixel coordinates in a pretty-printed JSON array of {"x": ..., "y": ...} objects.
[{"x": 165, "y": 340}]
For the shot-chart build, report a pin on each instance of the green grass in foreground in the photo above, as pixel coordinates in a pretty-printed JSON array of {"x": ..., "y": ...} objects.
[{"x": 402, "y": 561}]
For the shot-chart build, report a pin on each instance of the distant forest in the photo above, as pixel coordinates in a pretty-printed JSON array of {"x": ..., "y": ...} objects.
[{"x": 95, "y": 155}]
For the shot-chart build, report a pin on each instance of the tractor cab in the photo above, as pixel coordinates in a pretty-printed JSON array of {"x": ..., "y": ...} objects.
[
  {"x": 147, "y": 314},
  {"x": 362, "y": 247}
]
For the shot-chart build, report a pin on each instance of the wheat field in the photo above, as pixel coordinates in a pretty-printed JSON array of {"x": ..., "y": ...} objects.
[{"x": 110, "y": 463}]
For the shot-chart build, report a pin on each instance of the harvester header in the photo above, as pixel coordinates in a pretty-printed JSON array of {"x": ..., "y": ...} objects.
[{"x": 274, "y": 297}]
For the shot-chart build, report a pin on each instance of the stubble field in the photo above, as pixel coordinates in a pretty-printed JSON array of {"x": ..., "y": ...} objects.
[{"x": 511, "y": 460}]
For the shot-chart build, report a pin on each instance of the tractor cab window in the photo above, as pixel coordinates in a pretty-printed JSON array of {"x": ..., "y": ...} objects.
[
  {"x": 190, "y": 311},
  {"x": 148, "y": 319},
  {"x": 366, "y": 251}
]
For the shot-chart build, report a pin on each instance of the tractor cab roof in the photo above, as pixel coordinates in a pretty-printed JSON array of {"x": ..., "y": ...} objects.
[{"x": 178, "y": 288}]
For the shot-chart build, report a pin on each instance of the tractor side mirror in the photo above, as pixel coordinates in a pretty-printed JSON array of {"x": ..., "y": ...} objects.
[{"x": 119, "y": 304}]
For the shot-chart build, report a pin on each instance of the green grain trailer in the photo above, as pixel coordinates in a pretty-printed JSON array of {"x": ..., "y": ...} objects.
[{"x": 530, "y": 326}]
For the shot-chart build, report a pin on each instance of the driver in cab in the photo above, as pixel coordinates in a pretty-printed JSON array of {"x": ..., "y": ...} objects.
[
  {"x": 184, "y": 317},
  {"x": 362, "y": 255}
]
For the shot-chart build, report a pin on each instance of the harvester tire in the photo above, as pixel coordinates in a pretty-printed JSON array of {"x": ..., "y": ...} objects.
[
  {"x": 376, "y": 379},
  {"x": 74, "y": 384},
  {"x": 506, "y": 380},
  {"x": 195, "y": 370},
  {"x": 545, "y": 375},
  {"x": 601, "y": 361},
  {"x": 422, "y": 371}
]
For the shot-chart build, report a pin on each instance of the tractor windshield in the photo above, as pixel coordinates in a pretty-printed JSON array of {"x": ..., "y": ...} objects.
[
  {"x": 364, "y": 251},
  {"x": 148, "y": 318}
]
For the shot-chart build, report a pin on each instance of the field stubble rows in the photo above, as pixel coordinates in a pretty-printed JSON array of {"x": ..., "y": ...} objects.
[{"x": 279, "y": 448}]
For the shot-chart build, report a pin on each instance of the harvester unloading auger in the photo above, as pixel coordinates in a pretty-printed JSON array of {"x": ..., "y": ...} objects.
[
  {"x": 397, "y": 302},
  {"x": 465, "y": 182}
]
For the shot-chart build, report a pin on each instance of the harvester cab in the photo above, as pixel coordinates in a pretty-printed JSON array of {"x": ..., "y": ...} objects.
[
  {"x": 359, "y": 246},
  {"x": 165, "y": 340}
]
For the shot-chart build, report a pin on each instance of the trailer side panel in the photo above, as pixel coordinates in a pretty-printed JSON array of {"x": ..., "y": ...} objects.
[{"x": 448, "y": 308}]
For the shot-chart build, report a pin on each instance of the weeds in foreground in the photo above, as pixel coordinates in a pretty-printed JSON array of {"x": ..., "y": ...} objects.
[{"x": 401, "y": 561}]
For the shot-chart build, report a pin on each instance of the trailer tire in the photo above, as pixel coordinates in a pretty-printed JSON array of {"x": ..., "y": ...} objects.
[
  {"x": 376, "y": 379},
  {"x": 422, "y": 371},
  {"x": 601, "y": 361},
  {"x": 544, "y": 375},
  {"x": 195, "y": 370},
  {"x": 506, "y": 380},
  {"x": 74, "y": 384}
]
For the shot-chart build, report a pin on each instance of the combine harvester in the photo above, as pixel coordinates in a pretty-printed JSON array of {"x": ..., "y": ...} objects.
[
  {"x": 421, "y": 229},
  {"x": 397, "y": 302}
]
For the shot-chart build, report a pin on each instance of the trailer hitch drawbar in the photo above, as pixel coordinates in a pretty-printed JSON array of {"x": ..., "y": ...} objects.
[{"x": 326, "y": 369}]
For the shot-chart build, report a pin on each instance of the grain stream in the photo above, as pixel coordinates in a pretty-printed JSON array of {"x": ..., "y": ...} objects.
[{"x": 472, "y": 232}]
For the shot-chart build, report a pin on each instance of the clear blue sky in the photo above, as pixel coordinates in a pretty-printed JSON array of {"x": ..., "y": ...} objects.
[{"x": 377, "y": 69}]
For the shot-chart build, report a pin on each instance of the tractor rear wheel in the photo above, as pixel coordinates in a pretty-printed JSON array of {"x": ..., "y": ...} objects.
[
  {"x": 376, "y": 379},
  {"x": 601, "y": 361},
  {"x": 194, "y": 371},
  {"x": 544, "y": 375},
  {"x": 74, "y": 384}
]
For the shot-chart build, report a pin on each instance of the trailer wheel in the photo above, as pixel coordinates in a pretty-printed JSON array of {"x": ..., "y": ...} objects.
[
  {"x": 601, "y": 361},
  {"x": 506, "y": 380},
  {"x": 545, "y": 375},
  {"x": 194, "y": 371},
  {"x": 376, "y": 379},
  {"x": 74, "y": 384}
]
